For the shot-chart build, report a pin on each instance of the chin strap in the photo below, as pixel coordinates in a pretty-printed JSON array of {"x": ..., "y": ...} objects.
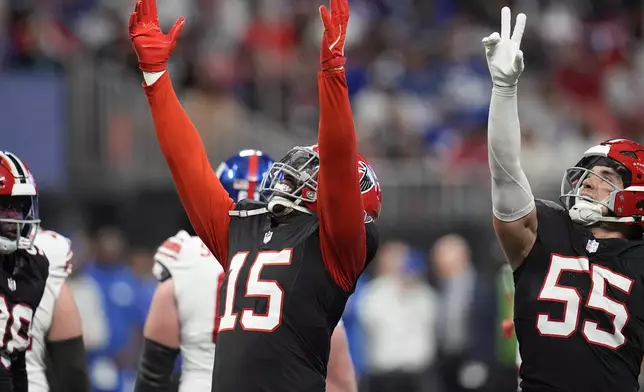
[
  {"x": 587, "y": 214},
  {"x": 281, "y": 206},
  {"x": 278, "y": 206},
  {"x": 247, "y": 213}
]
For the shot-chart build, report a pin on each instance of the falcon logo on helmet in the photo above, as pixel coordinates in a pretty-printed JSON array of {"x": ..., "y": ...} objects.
[{"x": 291, "y": 184}]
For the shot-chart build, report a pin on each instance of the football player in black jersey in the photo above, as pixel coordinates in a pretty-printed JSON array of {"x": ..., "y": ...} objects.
[
  {"x": 579, "y": 266},
  {"x": 23, "y": 269},
  {"x": 291, "y": 262}
]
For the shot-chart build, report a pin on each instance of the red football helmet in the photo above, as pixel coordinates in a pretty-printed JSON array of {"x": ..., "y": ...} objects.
[
  {"x": 625, "y": 205},
  {"x": 18, "y": 205},
  {"x": 291, "y": 183}
]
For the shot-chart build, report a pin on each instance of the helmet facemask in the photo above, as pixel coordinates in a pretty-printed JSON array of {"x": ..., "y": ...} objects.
[
  {"x": 292, "y": 182},
  {"x": 584, "y": 208},
  {"x": 18, "y": 222}
]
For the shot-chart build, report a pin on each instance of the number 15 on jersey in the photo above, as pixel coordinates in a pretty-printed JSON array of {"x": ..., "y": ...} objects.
[{"x": 255, "y": 287}]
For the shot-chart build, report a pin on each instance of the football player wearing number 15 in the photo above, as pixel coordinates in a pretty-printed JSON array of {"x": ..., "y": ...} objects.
[
  {"x": 182, "y": 314},
  {"x": 578, "y": 267},
  {"x": 293, "y": 261}
]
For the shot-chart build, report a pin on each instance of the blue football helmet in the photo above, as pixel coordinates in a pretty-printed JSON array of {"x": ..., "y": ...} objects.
[{"x": 242, "y": 174}]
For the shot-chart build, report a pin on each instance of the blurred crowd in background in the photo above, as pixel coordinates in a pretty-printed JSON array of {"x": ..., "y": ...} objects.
[
  {"x": 418, "y": 81},
  {"x": 426, "y": 316}
]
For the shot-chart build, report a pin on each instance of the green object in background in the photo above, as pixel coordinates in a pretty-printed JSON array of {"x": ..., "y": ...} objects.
[{"x": 505, "y": 347}]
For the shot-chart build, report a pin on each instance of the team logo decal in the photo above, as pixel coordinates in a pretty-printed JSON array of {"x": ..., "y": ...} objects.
[{"x": 367, "y": 178}]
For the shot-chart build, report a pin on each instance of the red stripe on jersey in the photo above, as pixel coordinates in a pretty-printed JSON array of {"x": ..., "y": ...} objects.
[
  {"x": 220, "y": 282},
  {"x": 253, "y": 169},
  {"x": 171, "y": 245}
]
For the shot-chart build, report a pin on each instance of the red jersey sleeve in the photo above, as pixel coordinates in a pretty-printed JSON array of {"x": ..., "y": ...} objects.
[
  {"x": 340, "y": 209},
  {"x": 204, "y": 198}
]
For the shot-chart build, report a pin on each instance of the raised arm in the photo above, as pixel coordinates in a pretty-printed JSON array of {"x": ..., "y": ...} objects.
[
  {"x": 340, "y": 209},
  {"x": 205, "y": 200},
  {"x": 515, "y": 216}
]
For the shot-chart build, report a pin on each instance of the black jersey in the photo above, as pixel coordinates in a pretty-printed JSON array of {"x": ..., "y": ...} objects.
[
  {"x": 278, "y": 306},
  {"x": 22, "y": 282},
  {"x": 579, "y": 308}
]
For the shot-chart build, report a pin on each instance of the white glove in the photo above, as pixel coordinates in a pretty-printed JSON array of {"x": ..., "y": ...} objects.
[{"x": 504, "y": 58}]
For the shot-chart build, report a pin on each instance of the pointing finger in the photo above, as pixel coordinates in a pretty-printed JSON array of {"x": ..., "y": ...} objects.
[
  {"x": 152, "y": 10},
  {"x": 324, "y": 15},
  {"x": 505, "y": 23}
]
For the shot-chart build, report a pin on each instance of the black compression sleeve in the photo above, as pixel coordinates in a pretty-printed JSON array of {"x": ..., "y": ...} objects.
[
  {"x": 155, "y": 367},
  {"x": 19, "y": 372},
  {"x": 68, "y": 363}
]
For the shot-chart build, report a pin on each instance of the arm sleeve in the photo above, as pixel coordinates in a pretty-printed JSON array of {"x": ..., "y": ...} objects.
[
  {"x": 340, "y": 209},
  {"x": 155, "y": 367},
  {"x": 512, "y": 197},
  {"x": 19, "y": 372},
  {"x": 204, "y": 198},
  {"x": 69, "y": 364}
]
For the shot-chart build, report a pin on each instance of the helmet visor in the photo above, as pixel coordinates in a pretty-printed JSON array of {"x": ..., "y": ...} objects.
[{"x": 291, "y": 175}]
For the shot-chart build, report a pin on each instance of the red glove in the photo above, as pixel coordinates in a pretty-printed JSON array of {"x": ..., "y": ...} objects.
[
  {"x": 335, "y": 34},
  {"x": 152, "y": 47}
]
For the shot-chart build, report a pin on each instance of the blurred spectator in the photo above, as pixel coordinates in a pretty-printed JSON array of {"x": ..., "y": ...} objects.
[
  {"x": 108, "y": 297},
  {"x": 397, "y": 311},
  {"x": 466, "y": 319}
]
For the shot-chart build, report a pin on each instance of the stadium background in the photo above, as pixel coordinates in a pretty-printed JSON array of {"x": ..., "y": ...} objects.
[{"x": 71, "y": 106}]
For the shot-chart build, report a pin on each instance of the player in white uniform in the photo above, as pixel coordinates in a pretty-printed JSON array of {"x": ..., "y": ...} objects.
[
  {"x": 190, "y": 276},
  {"x": 56, "y": 329},
  {"x": 182, "y": 313}
]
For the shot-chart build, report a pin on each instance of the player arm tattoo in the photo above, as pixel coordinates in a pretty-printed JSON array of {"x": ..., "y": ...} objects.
[
  {"x": 340, "y": 209},
  {"x": 204, "y": 199}
]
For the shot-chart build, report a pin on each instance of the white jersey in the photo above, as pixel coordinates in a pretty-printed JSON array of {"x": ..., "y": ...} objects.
[
  {"x": 196, "y": 275},
  {"x": 58, "y": 251}
]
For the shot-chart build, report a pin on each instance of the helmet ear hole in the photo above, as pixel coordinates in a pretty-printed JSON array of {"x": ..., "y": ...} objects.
[{"x": 640, "y": 205}]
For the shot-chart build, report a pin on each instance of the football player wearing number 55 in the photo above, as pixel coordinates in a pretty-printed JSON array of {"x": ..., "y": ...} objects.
[{"x": 578, "y": 270}]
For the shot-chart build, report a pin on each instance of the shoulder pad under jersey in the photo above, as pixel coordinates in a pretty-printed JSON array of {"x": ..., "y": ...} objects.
[
  {"x": 180, "y": 253},
  {"x": 549, "y": 204},
  {"x": 632, "y": 250},
  {"x": 58, "y": 250}
]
